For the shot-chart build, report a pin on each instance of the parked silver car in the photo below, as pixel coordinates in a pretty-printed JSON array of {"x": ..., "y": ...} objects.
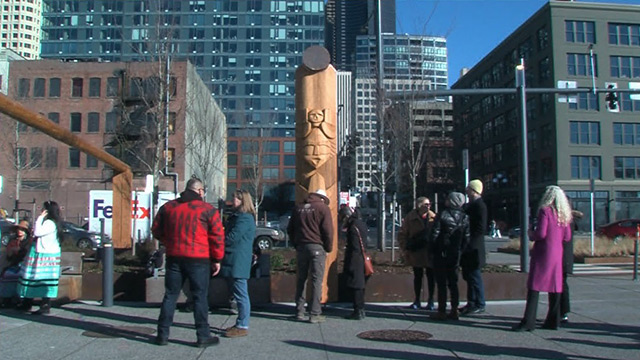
[{"x": 266, "y": 237}]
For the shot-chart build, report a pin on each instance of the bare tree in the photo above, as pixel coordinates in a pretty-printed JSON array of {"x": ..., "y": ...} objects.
[{"x": 16, "y": 152}]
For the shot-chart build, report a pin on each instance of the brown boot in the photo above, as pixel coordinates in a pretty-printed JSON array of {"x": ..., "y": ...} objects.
[{"x": 453, "y": 315}]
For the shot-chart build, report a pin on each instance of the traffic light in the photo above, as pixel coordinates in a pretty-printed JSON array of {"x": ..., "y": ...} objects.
[{"x": 612, "y": 98}]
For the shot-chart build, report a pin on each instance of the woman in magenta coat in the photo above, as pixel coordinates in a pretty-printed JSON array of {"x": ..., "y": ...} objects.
[{"x": 545, "y": 271}]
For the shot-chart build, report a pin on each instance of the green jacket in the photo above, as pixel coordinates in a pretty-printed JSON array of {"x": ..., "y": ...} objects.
[{"x": 239, "y": 232}]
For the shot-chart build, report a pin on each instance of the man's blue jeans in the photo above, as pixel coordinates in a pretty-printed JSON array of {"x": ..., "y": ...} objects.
[
  {"x": 177, "y": 271},
  {"x": 475, "y": 288},
  {"x": 241, "y": 295}
]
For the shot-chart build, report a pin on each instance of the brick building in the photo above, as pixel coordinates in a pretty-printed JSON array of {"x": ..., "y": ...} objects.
[{"x": 121, "y": 107}]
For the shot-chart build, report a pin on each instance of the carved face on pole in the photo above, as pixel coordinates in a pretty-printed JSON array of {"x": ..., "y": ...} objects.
[{"x": 318, "y": 133}]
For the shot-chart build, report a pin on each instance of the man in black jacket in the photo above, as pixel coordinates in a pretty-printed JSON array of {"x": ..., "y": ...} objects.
[
  {"x": 473, "y": 256},
  {"x": 449, "y": 236}
]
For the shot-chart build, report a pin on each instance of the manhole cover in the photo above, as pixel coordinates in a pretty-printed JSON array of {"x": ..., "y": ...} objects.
[
  {"x": 395, "y": 335},
  {"x": 119, "y": 331}
]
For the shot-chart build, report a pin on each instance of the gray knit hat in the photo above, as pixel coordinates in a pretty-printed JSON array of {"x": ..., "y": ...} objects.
[{"x": 456, "y": 199}]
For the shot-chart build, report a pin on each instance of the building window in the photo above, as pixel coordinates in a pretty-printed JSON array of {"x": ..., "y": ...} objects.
[
  {"x": 289, "y": 146},
  {"x": 586, "y": 101},
  {"x": 54, "y": 116},
  {"x": 23, "y": 88},
  {"x": 93, "y": 122},
  {"x": 626, "y": 134},
  {"x": 624, "y": 34},
  {"x": 271, "y": 160},
  {"x": 51, "y": 159},
  {"x": 625, "y": 66},
  {"x": 232, "y": 160},
  {"x": 585, "y": 167},
  {"x": 289, "y": 160},
  {"x": 584, "y": 132},
  {"x": 113, "y": 86},
  {"x": 272, "y": 146},
  {"x": 94, "y": 87},
  {"x": 270, "y": 173},
  {"x": 626, "y": 167},
  {"x": 232, "y": 146},
  {"x": 75, "y": 120},
  {"x": 74, "y": 158},
  {"x": 36, "y": 157},
  {"x": 92, "y": 162},
  {"x": 76, "y": 87},
  {"x": 38, "y": 88},
  {"x": 543, "y": 38},
  {"x": 289, "y": 173},
  {"x": 580, "y": 64},
  {"x": 54, "y": 87},
  {"x": 627, "y": 104},
  {"x": 580, "y": 31}
]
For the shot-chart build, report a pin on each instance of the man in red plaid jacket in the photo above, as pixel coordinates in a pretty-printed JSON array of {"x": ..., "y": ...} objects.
[{"x": 192, "y": 232}]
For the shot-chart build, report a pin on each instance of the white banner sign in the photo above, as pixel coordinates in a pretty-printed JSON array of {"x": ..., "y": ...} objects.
[{"x": 101, "y": 207}]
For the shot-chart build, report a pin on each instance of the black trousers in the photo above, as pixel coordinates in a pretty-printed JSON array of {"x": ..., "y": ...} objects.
[
  {"x": 447, "y": 279},
  {"x": 358, "y": 298},
  {"x": 531, "y": 309},
  {"x": 565, "y": 305},
  {"x": 418, "y": 272}
]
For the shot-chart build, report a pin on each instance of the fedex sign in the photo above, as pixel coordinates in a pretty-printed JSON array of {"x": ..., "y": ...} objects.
[{"x": 101, "y": 207}]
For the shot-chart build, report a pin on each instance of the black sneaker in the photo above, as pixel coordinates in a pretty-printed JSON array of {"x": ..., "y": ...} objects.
[
  {"x": 564, "y": 319},
  {"x": 479, "y": 310},
  {"x": 160, "y": 341},
  {"x": 213, "y": 340}
]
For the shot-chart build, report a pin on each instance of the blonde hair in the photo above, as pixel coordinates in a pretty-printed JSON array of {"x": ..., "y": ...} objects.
[
  {"x": 247, "y": 202},
  {"x": 555, "y": 198}
]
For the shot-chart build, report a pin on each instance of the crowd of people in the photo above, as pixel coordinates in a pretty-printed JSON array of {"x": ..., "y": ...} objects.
[{"x": 199, "y": 246}]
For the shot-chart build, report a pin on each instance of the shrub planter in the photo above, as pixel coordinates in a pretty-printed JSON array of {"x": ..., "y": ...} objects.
[
  {"x": 605, "y": 260},
  {"x": 394, "y": 287}
]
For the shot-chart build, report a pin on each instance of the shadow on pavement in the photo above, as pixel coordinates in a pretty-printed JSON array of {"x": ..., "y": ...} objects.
[{"x": 454, "y": 347}]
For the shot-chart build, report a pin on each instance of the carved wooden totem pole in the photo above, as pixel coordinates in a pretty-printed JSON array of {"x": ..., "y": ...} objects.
[{"x": 316, "y": 161}]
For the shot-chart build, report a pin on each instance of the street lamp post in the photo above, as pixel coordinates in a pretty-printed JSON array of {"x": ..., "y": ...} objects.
[{"x": 524, "y": 175}]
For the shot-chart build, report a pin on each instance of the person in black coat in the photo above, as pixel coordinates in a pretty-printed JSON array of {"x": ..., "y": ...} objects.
[
  {"x": 473, "y": 256},
  {"x": 567, "y": 268},
  {"x": 356, "y": 231},
  {"x": 449, "y": 236}
]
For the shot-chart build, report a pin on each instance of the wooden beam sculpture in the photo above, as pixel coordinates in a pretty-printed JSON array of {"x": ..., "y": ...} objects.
[
  {"x": 316, "y": 128},
  {"x": 121, "y": 231}
]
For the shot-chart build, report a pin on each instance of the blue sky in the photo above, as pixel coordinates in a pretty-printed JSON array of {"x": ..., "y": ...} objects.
[{"x": 472, "y": 27}]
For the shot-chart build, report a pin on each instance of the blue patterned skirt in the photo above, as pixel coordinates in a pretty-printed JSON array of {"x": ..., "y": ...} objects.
[{"x": 39, "y": 275}]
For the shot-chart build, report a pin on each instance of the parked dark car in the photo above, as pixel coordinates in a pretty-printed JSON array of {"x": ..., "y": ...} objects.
[
  {"x": 83, "y": 239},
  {"x": 5, "y": 228},
  {"x": 619, "y": 229},
  {"x": 266, "y": 237}
]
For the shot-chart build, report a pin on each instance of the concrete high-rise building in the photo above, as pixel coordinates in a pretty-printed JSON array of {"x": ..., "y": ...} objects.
[
  {"x": 245, "y": 51},
  {"x": 347, "y": 19},
  {"x": 20, "y": 30},
  {"x": 411, "y": 63},
  {"x": 571, "y": 141}
]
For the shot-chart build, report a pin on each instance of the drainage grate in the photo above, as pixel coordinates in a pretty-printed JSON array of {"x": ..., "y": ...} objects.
[
  {"x": 107, "y": 332},
  {"x": 395, "y": 335}
]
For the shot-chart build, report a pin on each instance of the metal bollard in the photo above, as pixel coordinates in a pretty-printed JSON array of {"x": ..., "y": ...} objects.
[
  {"x": 107, "y": 269},
  {"x": 635, "y": 260}
]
